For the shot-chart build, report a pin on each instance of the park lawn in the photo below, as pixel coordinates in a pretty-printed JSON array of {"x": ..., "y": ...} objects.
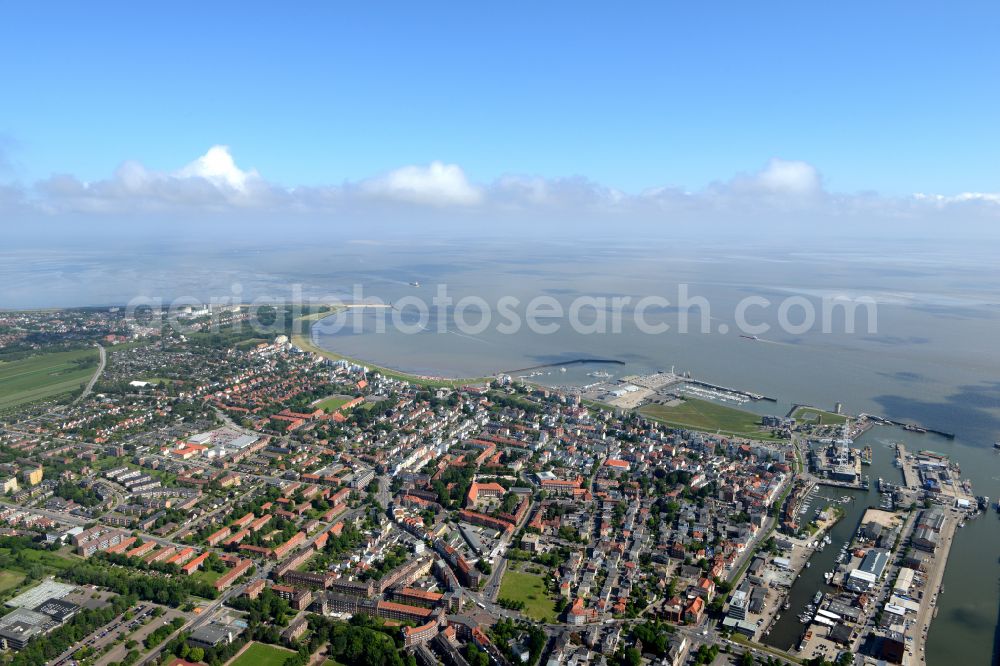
[
  {"x": 206, "y": 576},
  {"x": 529, "y": 588},
  {"x": 818, "y": 416},
  {"x": 45, "y": 376},
  {"x": 333, "y": 403},
  {"x": 259, "y": 654},
  {"x": 696, "y": 414},
  {"x": 9, "y": 580}
]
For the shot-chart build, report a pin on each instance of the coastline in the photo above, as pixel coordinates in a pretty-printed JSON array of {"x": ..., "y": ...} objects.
[
  {"x": 928, "y": 610},
  {"x": 303, "y": 340}
]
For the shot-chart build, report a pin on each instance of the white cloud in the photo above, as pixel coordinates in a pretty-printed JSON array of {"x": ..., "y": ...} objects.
[
  {"x": 212, "y": 181},
  {"x": 436, "y": 184},
  {"x": 790, "y": 177},
  {"x": 964, "y": 197},
  {"x": 781, "y": 178},
  {"x": 218, "y": 167},
  {"x": 784, "y": 192}
]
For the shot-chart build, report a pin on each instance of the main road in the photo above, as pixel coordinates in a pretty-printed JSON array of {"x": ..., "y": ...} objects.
[{"x": 93, "y": 380}]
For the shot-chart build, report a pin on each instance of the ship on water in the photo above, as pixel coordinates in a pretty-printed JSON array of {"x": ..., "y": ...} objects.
[{"x": 866, "y": 455}]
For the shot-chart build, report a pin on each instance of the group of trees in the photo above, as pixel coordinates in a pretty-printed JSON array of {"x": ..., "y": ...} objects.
[
  {"x": 654, "y": 635},
  {"x": 462, "y": 478},
  {"x": 506, "y": 632},
  {"x": 510, "y": 604},
  {"x": 395, "y": 557},
  {"x": 160, "y": 634},
  {"x": 167, "y": 591},
  {"x": 78, "y": 494},
  {"x": 123, "y": 560},
  {"x": 361, "y": 642}
]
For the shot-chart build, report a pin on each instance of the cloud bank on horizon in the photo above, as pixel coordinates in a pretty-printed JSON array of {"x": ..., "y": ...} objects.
[{"x": 213, "y": 184}]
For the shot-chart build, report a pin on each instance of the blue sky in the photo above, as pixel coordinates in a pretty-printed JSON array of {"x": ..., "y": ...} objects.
[{"x": 891, "y": 97}]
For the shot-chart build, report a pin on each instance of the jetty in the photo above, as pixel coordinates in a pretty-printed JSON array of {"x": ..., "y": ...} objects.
[
  {"x": 559, "y": 364},
  {"x": 753, "y": 396},
  {"x": 909, "y": 427}
]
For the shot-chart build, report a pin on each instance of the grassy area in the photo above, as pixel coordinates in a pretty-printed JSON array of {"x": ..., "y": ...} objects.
[
  {"x": 158, "y": 380},
  {"x": 51, "y": 562},
  {"x": 743, "y": 640},
  {"x": 303, "y": 341},
  {"x": 206, "y": 576},
  {"x": 333, "y": 403},
  {"x": 9, "y": 580},
  {"x": 529, "y": 588},
  {"x": 252, "y": 342},
  {"x": 259, "y": 654},
  {"x": 45, "y": 376},
  {"x": 818, "y": 416},
  {"x": 696, "y": 414}
]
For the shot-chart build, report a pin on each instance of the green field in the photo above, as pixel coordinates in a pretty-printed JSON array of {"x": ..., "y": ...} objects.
[
  {"x": 529, "y": 588},
  {"x": 259, "y": 654},
  {"x": 51, "y": 562},
  {"x": 207, "y": 577},
  {"x": 818, "y": 416},
  {"x": 45, "y": 376},
  {"x": 9, "y": 580},
  {"x": 695, "y": 414},
  {"x": 157, "y": 380},
  {"x": 333, "y": 403}
]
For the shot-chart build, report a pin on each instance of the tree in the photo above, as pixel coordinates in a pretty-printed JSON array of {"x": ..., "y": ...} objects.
[
  {"x": 196, "y": 654},
  {"x": 477, "y": 657},
  {"x": 631, "y": 657}
]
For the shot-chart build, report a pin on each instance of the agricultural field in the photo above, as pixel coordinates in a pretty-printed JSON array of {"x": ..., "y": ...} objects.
[
  {"x": 45, "y": 376},
  {"x": 529, "y": 588},
  {"x": 695, "y": 414}
]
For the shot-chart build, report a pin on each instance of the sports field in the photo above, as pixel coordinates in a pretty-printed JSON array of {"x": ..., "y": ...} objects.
[
  {"x": 333, "y": 403},
  {"x": 45, "y": 376}
]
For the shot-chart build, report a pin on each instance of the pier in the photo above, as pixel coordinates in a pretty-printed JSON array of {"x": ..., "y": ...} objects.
[
  {"x": 910, "y": 477},
  {"x": 909, "y": 427},
  {"x": 576, "y": 361},
  {"x": 753, "y": 396}
]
